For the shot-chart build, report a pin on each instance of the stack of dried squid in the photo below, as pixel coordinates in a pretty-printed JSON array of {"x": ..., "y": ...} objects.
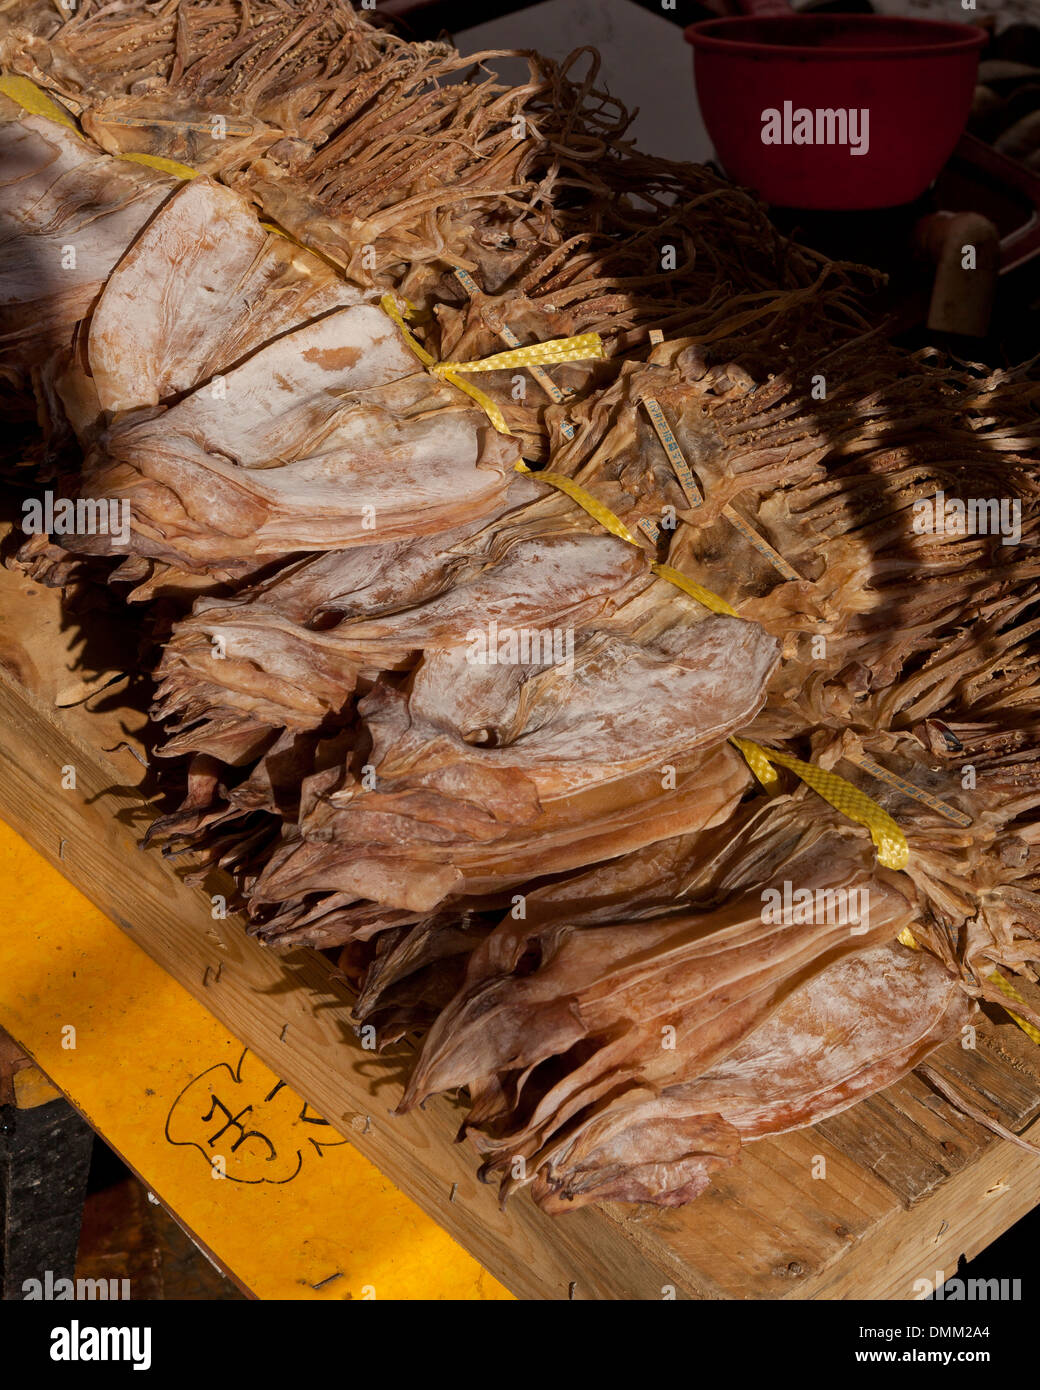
[{"x": 555, "y": 862}]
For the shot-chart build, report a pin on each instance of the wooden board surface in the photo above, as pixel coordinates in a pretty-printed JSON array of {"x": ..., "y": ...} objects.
[{"x": 908, "y": 1183}]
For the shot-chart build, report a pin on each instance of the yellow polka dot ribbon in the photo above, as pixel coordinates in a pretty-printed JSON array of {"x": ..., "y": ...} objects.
[
  {"x": 576, "y": 349},
  {"x": 580, "y": 348},
  {"x": 889, "y": 840},
  {"x": 596, "y": 509}
]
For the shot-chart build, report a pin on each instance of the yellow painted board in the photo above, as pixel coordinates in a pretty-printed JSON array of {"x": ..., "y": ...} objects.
[{"x": 299, "y": 1213}]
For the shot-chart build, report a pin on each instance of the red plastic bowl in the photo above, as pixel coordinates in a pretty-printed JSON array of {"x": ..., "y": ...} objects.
[{"x": 915, "y": 78}]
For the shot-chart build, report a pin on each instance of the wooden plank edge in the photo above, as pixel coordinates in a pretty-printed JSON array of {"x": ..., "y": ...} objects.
[{"x": 962, "y": 1217}]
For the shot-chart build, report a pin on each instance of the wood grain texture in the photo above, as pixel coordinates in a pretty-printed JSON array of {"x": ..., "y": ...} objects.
[{"x": 909, "y": 1183}]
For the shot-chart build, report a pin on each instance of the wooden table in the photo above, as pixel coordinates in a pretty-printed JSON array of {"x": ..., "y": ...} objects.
[{"x": 158, "y": 987}]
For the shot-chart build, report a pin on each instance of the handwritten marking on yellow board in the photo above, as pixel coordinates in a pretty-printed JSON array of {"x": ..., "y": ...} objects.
[{"x": 258, "y": 1132}]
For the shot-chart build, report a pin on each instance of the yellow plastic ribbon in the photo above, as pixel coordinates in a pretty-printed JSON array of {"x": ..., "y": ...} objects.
[
  {"x": 390, "y": 308},
  {"x": 602, "y": 513},
  {"x": 889, "y": 840},
  {"x": 510, "y": 339},
  {"x": 414, "y": 314},
  {"x": 760, "y": 765},
  {"x": 1012, "y": 993},
  {"x": 576, "y": 349},
  {"x": 695, "y": 590},
  {"x": 34, "y": 100},
  {"x": 596, "y": 509},
  {"x": 489, "y": 407},
  {"x": 580, "y": 348},
  {"x": 907, "y": 938},
  {"x": 164, "y": 165}
]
